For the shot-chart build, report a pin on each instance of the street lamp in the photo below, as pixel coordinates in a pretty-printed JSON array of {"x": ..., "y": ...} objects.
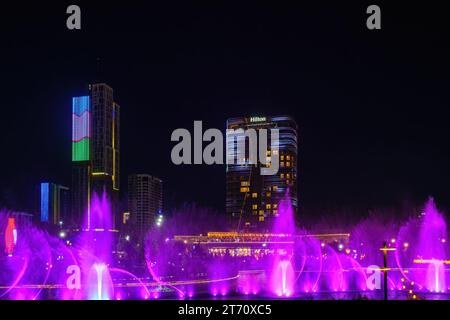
[{"x": 385, "y": 249}]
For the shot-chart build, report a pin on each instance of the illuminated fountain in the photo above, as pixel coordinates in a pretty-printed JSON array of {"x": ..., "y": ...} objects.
[
  {"x": 287, "y": 262},
  {"x": 32, "y": 260},
  {"x": 423, "y": 242},
  {"x": 283, "y": 278},
  {"x": 282, "y": 272},
  {"x": 95, "y": 247},
  {"x": 435, "y": 274}
]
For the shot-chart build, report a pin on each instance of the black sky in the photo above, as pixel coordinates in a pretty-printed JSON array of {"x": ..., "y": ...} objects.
[{"x": 372, "y": 106}]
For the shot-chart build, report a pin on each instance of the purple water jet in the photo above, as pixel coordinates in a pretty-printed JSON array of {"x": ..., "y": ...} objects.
[
  {"x": 282, "y": 272},
  {"x": 422, "y": 246}
]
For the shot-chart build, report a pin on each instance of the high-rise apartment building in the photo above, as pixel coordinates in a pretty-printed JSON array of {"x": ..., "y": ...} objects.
[
  {"x": 144, "y": 202},
  {"x": 252, "y": 199}
]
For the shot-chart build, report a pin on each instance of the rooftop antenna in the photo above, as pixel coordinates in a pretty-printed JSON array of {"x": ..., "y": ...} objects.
[{"x": 98, "y": 76}]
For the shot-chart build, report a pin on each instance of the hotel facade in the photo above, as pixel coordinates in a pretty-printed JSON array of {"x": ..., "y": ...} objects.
[{"x": 252, "y": 199}]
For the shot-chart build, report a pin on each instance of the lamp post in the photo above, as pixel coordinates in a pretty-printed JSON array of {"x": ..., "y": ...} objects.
[
  {"x": 385, "y": 283},
  {"x": 385, "y": 249}
]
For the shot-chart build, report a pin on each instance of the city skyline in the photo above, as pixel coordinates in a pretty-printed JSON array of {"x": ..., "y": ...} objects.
[
  {"x": 362, "y": 147},
  {"x": 96, "y": 171},
  {"x": 219, "y": 152}
]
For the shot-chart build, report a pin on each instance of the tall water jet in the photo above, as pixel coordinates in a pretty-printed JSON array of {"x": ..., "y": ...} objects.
[
  {"x": 284, "y": 223},
  {"x": 423, "y": 246},
  {"x": 100, "y": 285},
  {"x": 282, "y": 274},
  {"x": 431, "y": 247},
  {"x": 95, "y": 249},
  {"x": 436, "y": 276},
  {"x": 283, "y": 278},
  {"x": 432, "y": 231}
]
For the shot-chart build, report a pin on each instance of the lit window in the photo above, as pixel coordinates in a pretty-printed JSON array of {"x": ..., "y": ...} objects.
[
  {"x": 282, "y": 158},
  {"x": 275, "y": 206},
  {"x": 268, "y": 206},
  {"x": 287, "y": 182},
  {"x": 275, "y": 188},
  {"x": 245, "y": 183},
  {"x": 255, "y": 207},
  {"x": 288, "y": 164},
  {"x": 288, "y": 158},
  {"x": 288, "y": 175},
  {"x": 244, "y": 189},
  {"x": 261, "y": 212},
  {"x": 275, "y": 212},
  {"x": 261, "y": 219},
  {"x": 275, "y": 152},
  {"x": 268, "y": 153},
  {"x": 282, "y": 164},
  {"x": 282, "y": 175},
  {"x": 254, "y": 195},
  {"x": 268, "y": 194}
]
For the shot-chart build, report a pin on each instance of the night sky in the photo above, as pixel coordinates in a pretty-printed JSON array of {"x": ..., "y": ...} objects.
[{"x": 372, "y": 106}]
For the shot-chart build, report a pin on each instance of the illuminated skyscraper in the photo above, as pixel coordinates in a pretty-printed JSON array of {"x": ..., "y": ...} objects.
[
  {"x": 252, "y": 199},
  {"x": 81, "y": 159},
  {"x": 95, "y": 150},
  {"x": 144, "y": 202}
]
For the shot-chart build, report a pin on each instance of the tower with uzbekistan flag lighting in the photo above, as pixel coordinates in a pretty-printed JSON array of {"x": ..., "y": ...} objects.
[{"x": 95, "y": 151}]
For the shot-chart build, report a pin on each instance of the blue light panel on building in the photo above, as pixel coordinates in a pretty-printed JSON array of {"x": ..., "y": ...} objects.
[
  {"x": 80, "y": 105},
  {"x": 44, "y": 201}
]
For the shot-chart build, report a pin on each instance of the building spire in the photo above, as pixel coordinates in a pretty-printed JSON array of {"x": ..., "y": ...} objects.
[{"x": 98, "y": 72}]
